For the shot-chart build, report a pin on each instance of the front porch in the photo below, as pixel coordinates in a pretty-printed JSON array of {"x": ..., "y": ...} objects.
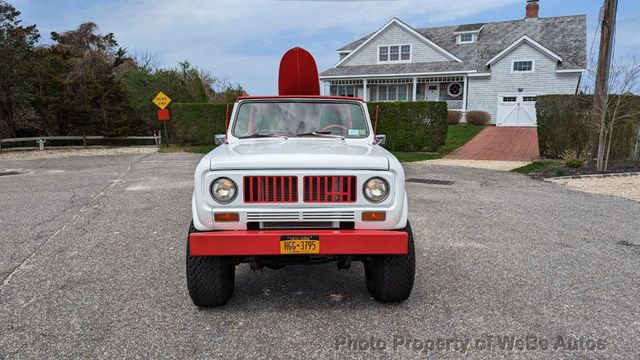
[{"x": 452, "y": 89}]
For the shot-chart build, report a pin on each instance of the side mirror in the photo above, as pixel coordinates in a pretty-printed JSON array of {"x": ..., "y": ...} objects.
[
  {"x": 381, "y": 139},
  {"x": 219, "y": 139}
]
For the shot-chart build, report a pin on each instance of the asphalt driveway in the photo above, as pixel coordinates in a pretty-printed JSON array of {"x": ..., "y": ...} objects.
[{"x": 92, "y": 266}]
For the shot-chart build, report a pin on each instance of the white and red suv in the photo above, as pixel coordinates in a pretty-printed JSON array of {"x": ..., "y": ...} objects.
[{"x": 299, "y": 179}]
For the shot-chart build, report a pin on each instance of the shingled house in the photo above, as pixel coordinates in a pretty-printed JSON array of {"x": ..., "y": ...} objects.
[{"x": 497, "y": 67}]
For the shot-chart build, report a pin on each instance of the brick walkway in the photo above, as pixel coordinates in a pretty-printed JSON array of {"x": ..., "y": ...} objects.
[{"x": 500, "y": 143}]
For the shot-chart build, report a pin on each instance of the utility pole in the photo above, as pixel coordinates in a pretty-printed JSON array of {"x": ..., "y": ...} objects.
[{"x": 600, "y": 95}]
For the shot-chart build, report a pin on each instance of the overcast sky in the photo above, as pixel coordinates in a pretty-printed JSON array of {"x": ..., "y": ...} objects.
[{"x": 244, "y": 40}]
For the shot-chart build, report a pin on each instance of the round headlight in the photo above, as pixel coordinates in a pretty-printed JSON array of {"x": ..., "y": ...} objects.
[
  {"x": 223, "y": 190},
  {"x": 376, "y": 189}
]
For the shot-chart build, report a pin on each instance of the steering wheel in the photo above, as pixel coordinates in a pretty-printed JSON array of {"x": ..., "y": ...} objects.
[{"x": 336, "y": 126}]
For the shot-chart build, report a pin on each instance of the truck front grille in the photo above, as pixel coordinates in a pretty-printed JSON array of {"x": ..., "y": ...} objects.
[
  {"x": 270, "y": 189},
  {"x": 329, "y": 189},
  {"x": 313, "y": 215}
]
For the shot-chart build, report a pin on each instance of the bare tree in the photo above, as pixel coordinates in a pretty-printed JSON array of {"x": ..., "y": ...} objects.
[
  {"x": 219, "y": 89},
  {"x": 145, "y": 61},
  {"x": 624, "y": 81}
]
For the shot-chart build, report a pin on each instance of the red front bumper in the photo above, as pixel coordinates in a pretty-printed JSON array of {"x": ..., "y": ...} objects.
[{"x": 267, "y": 242}]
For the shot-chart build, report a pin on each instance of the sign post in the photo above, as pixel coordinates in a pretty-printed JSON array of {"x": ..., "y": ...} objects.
[{"x": 162, "y": 100}]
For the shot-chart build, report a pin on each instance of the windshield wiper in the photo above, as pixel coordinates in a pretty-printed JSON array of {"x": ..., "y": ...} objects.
[
  {"x": 320, "y": 133},
  {"x": 259, "y": 135}
]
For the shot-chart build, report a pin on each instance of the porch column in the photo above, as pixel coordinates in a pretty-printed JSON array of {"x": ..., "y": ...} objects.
[
  {"x": 464, "y": 93},
  {"x": 415, "y": 88},
  {"x": 365, "y": 96}
]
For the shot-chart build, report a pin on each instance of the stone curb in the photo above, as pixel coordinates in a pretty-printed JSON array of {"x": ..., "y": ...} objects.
[{"x": 591, "y": 176}]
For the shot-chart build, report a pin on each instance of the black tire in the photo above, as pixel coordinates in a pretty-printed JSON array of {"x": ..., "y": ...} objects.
[
  {"x": 210, "y": 279},
  {"x": 389, "y": 278}
]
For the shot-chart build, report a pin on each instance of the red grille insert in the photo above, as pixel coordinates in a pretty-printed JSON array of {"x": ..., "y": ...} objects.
[
  {"x": 330, "y": 189},
  {"x": 270, "y": 189}
]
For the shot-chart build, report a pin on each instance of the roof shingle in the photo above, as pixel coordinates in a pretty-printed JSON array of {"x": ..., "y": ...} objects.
[
  {"x": 469, "y": 27},
  {"x": 564, "y": 35}
]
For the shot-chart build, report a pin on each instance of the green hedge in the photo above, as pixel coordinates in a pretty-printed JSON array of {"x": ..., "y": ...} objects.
[
  {"x": 563, "y": 126},
  {"x": 412, "y": 126},
  {"x": 409, "y": 126},
  {"x": 195, "y": 124}
]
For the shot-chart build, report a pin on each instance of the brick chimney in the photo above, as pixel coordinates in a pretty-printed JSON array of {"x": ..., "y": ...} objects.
[{"x": 532, "y": 9}]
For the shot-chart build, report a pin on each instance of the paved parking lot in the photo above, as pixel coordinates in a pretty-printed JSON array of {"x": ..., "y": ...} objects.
[{"x": 92, "y": 266}]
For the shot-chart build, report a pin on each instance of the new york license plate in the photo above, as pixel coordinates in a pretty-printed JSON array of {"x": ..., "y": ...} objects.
[{"x": 299, "y": 244}]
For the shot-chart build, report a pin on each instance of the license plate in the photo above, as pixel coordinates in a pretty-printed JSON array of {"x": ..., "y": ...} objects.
[{"x": 299, "y": 244}]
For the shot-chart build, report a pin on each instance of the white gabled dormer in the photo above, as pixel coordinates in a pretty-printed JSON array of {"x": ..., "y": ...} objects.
[
  {"x": 468, "y": 34},
  {"x": 466, "y": 38},
  {"x": 343, "y": 54},
  {"x": 526, "y": 65},
  {"x": 395, "y": 42}
]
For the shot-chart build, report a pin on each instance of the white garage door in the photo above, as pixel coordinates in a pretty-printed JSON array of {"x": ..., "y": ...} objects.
[{"x": 517, "y": 110}]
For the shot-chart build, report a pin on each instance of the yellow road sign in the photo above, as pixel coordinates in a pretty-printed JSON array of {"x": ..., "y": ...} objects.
[{"x": 161, "y": 100}]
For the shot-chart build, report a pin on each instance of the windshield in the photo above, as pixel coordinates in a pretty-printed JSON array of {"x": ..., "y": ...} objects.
[{"x": 257, "y": 119}]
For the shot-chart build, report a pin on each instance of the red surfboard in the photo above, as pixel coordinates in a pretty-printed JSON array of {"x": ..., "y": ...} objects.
[{"x": 298, "y": 73}]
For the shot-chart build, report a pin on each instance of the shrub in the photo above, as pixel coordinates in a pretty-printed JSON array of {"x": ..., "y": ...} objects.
[
  {"x": 453, "y": 117},
  {"x": 195, "y": 124},
  {"x": 573, "y": 158},
  {"x": 412, "y": 126},
  {"x": 574, "y": 163},
  {"x": 478, "y": 117},
  {"x": 563, "y": 125},
  {"x": 409, "y": 126}
]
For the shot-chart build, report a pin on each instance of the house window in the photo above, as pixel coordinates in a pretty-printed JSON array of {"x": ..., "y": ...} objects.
[
  {"x": 346, "y": 90},
  {"x": 523, "y": 66},
  {"x": 382, "y": 93},
  {"x": 529, "y": 98},
  {"x": 384, "y": 53},
  {"x": 393, "y": 92},
  {"x": 405, "y": 52},
  {"x": 454, "y": 89},
  {"x": 509, "y": 99},
  {"x": 394, "y": 53},
  {"x": 465, "y": 38},
  {"x": 402, "y": 92}
]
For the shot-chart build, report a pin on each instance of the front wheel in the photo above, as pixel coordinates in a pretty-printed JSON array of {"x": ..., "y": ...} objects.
[
  {"x": 389, "y": 278},
  {"x": 210, "y": 279}
]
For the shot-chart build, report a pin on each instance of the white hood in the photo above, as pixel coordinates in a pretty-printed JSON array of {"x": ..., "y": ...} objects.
[{"x": 299, "y": 153}]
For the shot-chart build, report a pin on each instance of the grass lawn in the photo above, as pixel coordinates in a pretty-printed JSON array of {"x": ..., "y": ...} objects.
[
  {"x": 404, "y": 156},
  {"x": 457, "y": 135},
  {"x": 546, "y": 168},
  {"x": 536, "y": 165}
]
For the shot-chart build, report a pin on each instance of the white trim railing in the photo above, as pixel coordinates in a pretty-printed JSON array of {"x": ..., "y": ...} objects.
[{"x": 41, "y": 140}]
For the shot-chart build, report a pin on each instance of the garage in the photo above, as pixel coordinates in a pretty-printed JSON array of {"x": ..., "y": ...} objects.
[{"x": 516, "y": 110}]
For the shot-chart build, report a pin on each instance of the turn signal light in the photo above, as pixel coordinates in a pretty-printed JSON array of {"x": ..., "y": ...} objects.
[
  {"x": 226, "y": 217},
  {"x": 374, "y": 216}
]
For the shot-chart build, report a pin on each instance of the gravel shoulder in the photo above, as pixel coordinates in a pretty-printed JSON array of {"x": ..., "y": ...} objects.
[
  {"x": 17, "y": 155},
  {"x": 627, "y": 187},
  {"x": 478, "y": 164}
]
